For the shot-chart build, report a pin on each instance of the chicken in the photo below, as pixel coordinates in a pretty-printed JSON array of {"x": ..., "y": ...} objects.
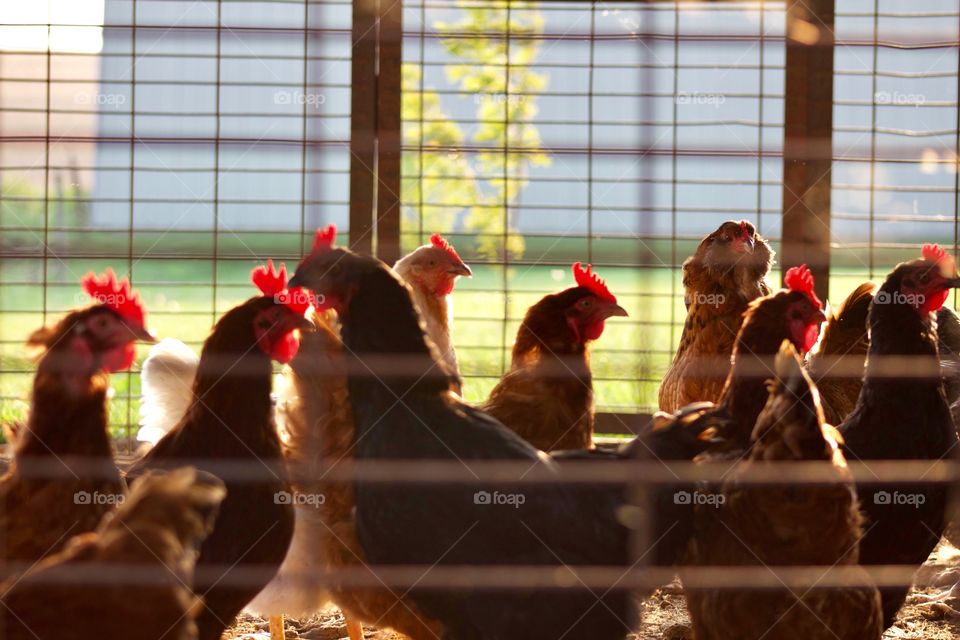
[
  {"x": 317, "y": 435},
  {"x": 677, "y": 437},
  {"x": 903, "y": 417},
  {"x": 794, "y": 314},
  {"x": 230, "y": 421},
  {"x": 166, "y": 380},
  {"x": 547, "y": 395},
  {"x": 722, "y": 431},
  {"x": 63, "y": 478},
  {"x": 783, "y": 525},
  {"x": 128, "y": 580},
  {"x": 837, "y": 365},
  {"x": 725, "y": 274},
  {"x": 432, "y": 271},
  {"x": 451, "y": 524}
]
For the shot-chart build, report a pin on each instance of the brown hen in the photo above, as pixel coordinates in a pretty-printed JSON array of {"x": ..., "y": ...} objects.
[
  {"x": 63, "y": 479},
  {"x": 837, "y": 365},
  {"x": 128, "y": 580},
  {"x": 547, "y": 395},
  {"x": 724, "y": 275},
  {"x": 751, "y": 525}
]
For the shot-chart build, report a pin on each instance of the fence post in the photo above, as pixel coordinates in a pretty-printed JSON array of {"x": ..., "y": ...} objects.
[
  {"x": 808, "y": 138},
  {"x": 375, "y": 136}
]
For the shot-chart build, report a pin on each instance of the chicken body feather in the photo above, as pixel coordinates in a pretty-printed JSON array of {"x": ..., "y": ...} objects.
[
  {"x": 316, "y": 428},
  {"x": 166, "y": 383},
  {"x": 902, "y": 417},
  {"x": 403, "y": 523},
  {"x": 128, "y": 580},
  {"x": 719, "y": 282},
  {"x": 774, "y": 526},
  {"x": 230, "y": 420}
]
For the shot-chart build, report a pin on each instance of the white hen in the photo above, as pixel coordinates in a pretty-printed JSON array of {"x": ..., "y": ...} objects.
[{"x": 166, "y": 383}]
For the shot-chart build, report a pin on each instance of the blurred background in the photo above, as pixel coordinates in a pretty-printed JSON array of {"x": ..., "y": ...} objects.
[{"x": 181, "y": 142}]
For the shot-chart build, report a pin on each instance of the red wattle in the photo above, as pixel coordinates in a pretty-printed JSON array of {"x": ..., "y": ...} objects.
[
  {"x": 594, "y": 330},
  {"x": 120, "y": 358},
  {"x": 935, "y": 301},
  {"x": 285, "y": 348}
]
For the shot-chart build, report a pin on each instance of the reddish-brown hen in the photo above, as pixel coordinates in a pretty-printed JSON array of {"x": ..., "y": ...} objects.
[
  {"x": 229, "y": 426},
  {"x": 63, "y": 479},
  {"x": 128, "y": 580},
  {"x": 772, "y": 526},
  {"x": 547, "y": 395},
  {"x": 724, "y": 275}
]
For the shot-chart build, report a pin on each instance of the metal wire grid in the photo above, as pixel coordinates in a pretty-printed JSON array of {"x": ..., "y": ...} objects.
[
  {"x": 639, "y": 101},
  {"x": 603, "y": 58},
  {"x": 202, "y": 138},
  {"x": 895, "y": 134}
]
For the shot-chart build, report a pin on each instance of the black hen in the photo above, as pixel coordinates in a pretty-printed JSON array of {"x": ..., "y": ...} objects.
[
  {"x": 902, "y": 414},
  {"x": 404, "y": 411}
]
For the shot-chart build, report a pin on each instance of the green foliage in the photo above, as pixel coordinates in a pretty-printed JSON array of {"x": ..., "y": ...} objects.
[{"x": 495, "y": 73}]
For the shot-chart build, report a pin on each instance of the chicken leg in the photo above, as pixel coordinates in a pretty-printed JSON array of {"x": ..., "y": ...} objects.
[
  {"x": 354, "y": 628},
  {"x": 276, "y": 628}
]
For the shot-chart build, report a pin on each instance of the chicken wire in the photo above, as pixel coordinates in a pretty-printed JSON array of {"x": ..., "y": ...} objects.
[
  {"x": 187, "y": 140},
  {"x": 180, "y": 143},
  {"x": 624, "y": 132}
]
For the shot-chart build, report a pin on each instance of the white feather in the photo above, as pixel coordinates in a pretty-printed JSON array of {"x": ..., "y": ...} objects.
[{"x": 166, "y": 387}]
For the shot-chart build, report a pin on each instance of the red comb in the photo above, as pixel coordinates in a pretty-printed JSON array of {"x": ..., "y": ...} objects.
[
  {"x": 274, "y": 283},
  {"x": 440, "y": 242},
  {"x": 587, "y": 278},
  {"x": 114, "y": 294},
  {"x": 324, "y": 238},
  {"x": 800, "y": 279},
  {"x": 934, "y": 253}
]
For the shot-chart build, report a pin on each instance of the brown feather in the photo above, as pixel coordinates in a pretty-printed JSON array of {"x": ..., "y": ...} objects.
[
  {"x": 718, "y": 286},
  {"x": 837, "y": 366},
  {"x": 547, "y": 395},
  {"x": 152, "y": 538},
  {"x": 62, "y": 453},
  {"x": 783, "y": 526}
]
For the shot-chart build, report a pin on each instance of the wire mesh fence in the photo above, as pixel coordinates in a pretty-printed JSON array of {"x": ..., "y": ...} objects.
[{"x": 181, "y": 142}]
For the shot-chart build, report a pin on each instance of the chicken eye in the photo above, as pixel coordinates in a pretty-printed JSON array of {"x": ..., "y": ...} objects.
[
  {"x": 432, "y": 263},
  {"x": 585, "y": 303}
]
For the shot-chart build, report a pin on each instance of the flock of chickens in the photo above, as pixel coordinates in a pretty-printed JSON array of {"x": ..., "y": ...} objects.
[{"x": 244, "y": 498}]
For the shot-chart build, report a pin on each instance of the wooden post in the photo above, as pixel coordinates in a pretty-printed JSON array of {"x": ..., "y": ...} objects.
[
  {"x": 375, "y": 135},
  {"x": 808, "y": 138},
  {"x": 363, "y": 124},
  {"x": 388, "y": 130}
]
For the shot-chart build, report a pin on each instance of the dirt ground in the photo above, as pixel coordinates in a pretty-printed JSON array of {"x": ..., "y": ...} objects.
[{"x": 665, "y": 614}]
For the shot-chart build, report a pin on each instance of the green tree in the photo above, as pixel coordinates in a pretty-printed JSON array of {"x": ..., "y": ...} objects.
[{"x": 494, "y": 71}]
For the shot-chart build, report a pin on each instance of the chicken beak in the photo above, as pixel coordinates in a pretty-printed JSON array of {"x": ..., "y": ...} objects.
[
  {"x": 143, "y": 334},
  {"x": 303, "y": 323},
  {"x": 952, "y": 283},
  {"x": 744, "y": 244},
  {"x": 613, "y": 310},
  {"x": 820, "y": 317},
  {"x": 461, "y": 269},
  {"x": 296, "y": 280}
]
